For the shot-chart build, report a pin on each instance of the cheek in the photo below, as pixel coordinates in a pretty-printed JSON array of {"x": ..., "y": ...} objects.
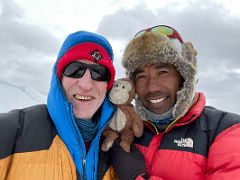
[
  {"x": 99, "y": 100},
  {"x": 102, "y": 89},
  {"x": 139, "y": 86},
  {"x": 140, "y": 92},
  {"x": 65, "y": 84},
  {"x": 102, "y": 95},
  {"x": 178, "y": 81},
  {"x": 174, "y": 86}
]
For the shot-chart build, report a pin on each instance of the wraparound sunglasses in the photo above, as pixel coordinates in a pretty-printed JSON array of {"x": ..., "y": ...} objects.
[{"x": 77, "y": 69}]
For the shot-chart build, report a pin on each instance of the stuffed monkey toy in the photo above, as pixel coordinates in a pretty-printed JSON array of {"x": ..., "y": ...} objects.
[{"x": 125, "y": 123}]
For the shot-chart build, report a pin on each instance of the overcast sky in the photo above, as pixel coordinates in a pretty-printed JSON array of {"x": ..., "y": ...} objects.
[{"x": 31, "y": 33}]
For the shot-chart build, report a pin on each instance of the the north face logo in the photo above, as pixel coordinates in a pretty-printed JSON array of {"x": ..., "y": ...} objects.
[
  {"x": 184, "y": 142},
  {"x": 96, "y": 55}
]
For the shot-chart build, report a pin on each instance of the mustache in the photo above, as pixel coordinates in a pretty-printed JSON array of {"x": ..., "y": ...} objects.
[{"x": 155, "y": 94}]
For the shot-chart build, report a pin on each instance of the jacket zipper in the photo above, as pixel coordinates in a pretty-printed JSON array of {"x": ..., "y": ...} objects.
[
  {"x": 84, "y": 168},
  {"x": 84, "y": 159}
]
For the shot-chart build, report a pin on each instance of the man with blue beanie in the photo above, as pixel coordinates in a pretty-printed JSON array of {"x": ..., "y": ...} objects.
[{"x": 61, "y": 140}]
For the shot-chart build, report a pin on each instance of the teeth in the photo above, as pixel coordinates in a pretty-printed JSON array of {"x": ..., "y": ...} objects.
[
  {"x": 84, "y": 98},
  {"x": 154, "y": 101}
]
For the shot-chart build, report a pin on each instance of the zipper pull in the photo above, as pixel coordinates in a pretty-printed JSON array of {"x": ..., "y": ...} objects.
[{"x": 84, "y": 168}]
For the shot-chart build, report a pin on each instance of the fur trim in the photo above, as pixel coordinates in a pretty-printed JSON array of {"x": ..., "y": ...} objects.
[{"x": 154, "y": 47}]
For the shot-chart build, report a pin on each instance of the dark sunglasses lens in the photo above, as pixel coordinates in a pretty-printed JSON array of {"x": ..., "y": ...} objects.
[
  {"x": 77, "y": 70},
  {"x": 99, "y": 73},
  {"x": 74, "y": 70}
]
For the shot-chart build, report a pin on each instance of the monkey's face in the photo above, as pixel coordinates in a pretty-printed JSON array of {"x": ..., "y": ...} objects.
[{"x": 120, "y": 92}]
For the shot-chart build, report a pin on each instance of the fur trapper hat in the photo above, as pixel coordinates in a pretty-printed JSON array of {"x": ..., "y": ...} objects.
[{"x": 153, "y": 47}]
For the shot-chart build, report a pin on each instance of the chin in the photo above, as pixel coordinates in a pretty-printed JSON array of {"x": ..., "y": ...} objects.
[
  {"x": 83, "y": 115},
  {"x": 160, "y": 111}
]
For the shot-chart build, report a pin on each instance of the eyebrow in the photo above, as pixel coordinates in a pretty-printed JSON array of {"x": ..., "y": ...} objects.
[{"x": 156, "y": 66}]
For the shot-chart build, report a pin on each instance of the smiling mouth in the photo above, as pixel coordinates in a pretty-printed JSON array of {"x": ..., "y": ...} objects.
[
  {"x": 155, "y": 101},
  {"x": 83, "y": 98}
]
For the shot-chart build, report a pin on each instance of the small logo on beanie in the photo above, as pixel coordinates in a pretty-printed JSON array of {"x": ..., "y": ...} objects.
[{"x": 96, "y": 55}]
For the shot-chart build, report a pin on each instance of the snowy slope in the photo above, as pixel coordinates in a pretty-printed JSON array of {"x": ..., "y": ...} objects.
[{"x": 14, "y": 95}]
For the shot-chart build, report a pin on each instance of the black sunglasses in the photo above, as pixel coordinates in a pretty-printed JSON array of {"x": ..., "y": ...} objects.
[{"x": 77, "y": 69}]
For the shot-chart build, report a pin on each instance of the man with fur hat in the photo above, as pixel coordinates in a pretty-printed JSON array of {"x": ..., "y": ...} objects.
[
  {"x": 183, "y": 138},
  {"x": 61, "y": 140}
]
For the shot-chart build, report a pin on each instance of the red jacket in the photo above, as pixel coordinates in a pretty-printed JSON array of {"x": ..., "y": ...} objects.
[{"x": 204, "y": 144}]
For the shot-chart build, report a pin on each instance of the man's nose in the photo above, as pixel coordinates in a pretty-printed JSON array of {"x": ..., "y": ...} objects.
[
  {"x": 153, "y": 83},
  {"x": 86, "y": 81}
]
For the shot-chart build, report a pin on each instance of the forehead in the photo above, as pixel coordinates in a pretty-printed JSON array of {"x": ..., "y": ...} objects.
[{"x": 142, "y": 68}]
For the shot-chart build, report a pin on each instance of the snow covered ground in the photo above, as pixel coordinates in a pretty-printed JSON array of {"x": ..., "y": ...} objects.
[{"x": 14, "y": 96}]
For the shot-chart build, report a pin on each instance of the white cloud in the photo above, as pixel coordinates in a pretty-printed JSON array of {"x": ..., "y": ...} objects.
[
  {"x": 62, "y": 17},
  {"x": 26, "y": 50},
  {"x": 32, "y": 31}
]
